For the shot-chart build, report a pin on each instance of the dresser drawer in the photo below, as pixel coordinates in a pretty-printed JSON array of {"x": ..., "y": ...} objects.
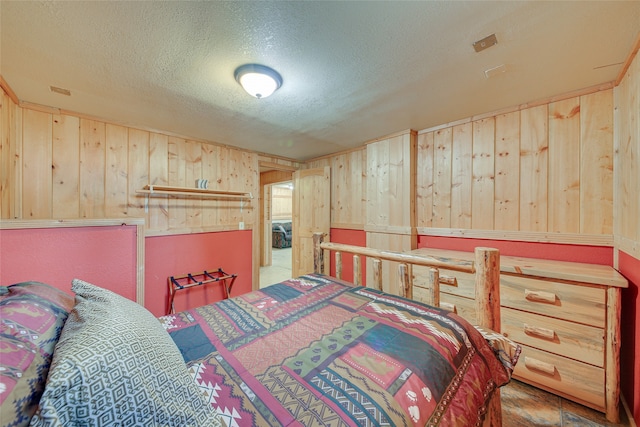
[
  {"x": 575, "y": 341},
  {"x": 465, "y": 282},
  {"x": 582, "y": 304},
  {"x": 463, "y": 307},
  {"x": 564, "y": 376}
]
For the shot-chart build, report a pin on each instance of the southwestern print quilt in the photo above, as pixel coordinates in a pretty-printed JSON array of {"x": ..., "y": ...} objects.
[{"x": 316, "y": 351}]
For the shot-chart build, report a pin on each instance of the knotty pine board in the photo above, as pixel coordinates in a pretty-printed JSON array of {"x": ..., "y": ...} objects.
[
  {"x": 461, "y": 178},
  {"x": 507, "y": 172}
]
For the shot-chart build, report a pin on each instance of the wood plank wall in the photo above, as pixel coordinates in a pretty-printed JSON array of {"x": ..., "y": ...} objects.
[
  {"x": 74, "y": 167},
  {"x": 626, "y": 164},
  {"x": 348, "y": 187},
  {"x": 547, "y": 168}
]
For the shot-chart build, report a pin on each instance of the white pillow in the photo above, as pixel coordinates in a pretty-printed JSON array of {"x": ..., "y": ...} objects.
[{"x": 116, "y": 365}]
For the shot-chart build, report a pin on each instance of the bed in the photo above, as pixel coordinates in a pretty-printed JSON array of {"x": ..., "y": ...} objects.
[{"x": 313, "y": 350}]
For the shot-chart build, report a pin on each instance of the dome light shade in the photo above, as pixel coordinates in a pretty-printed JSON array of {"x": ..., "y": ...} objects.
[{"x": 259, "y": 81}]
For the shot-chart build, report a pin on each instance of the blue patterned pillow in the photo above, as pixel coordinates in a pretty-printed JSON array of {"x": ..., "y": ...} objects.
[
  {"x": 116, "y": 365},
  {"x": 31, "y": 317}
]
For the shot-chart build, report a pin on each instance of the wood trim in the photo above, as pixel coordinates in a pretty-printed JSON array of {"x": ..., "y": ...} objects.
[
  {"x": 11, "y": 224},
  {"x": 612, "y": 354},
  {"x": 5, "y": 86},
  {"x": 140, "y": 245},
  {"x": 630, "y": 58},
  {"x": 336, "y": 154},
  {"x": 192, "y": 230},
  {"x": 393, "y": 135},
  {"x": 628, "y": 246},
  {"x": 521, "y": 236},
  {"x": 17, "y": 224},
  {"x": 543, "y": 101},
  {"x": 199, "y": 192},
  {"x": 347, "y": 226},
  {"x": 390, "y": 229},
  {"x": 276, "y": 166}
]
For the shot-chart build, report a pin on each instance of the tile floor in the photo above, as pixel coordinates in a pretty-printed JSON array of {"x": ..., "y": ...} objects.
[
  {"x": 522, "y": 404},
  {"x": 280, "y": 268},
  {"x": 527, "y": 406}
]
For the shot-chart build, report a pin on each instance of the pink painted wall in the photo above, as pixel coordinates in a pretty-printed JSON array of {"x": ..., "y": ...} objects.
[
  {"x": 177, "y": 255},
  {"x": 630, "y": 347},
  {"x": 104, "y": 256}
]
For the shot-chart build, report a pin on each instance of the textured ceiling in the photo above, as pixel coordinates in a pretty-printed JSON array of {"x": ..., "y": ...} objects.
[{"x": 352, "y": 71}]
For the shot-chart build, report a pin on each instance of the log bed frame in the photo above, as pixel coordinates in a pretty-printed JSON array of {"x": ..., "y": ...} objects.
[{"x": 485, "y": 267}]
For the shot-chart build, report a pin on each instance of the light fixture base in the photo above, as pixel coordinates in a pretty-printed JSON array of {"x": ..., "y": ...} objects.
[{"x": 258, "y": 80}]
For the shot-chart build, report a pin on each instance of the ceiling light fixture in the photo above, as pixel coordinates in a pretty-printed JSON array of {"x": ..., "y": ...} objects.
[{"x": 258, "y": 80}]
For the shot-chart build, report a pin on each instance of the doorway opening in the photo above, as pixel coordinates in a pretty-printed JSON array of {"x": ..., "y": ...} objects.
[{"x": 278, "y": 216}]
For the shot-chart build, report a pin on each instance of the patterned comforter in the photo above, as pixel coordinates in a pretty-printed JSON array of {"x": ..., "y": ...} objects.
[{"x": 316, "y": 351}]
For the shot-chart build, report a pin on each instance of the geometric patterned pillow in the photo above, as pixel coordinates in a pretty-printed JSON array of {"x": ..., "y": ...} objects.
[
  {"x": 116, "y": 365},
  {"x": 32, "y": 315}
]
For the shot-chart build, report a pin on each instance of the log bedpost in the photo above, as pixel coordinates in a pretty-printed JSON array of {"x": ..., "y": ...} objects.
[
  {"x": 357, "y": 271},
  {"x": 487, "y": 264},
  {"x": 434, "y": 287},
  {"x": 318, "y": 253},
  {"x": 377, "y": 274}
]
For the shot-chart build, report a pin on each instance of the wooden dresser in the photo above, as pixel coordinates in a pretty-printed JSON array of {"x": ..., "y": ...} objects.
[{"x": 566, "y": 317}]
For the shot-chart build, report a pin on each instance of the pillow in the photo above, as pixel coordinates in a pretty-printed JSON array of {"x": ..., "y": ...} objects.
[
  {"x": 31, "y": 318},
  {"x": 116, "y": 365}
]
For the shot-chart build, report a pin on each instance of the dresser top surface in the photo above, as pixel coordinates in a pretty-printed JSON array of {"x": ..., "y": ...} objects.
[{"x": 562, "y": 270}]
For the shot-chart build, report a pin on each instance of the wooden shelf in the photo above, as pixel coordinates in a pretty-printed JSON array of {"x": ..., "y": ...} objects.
[{"x": 198, "y": 192}]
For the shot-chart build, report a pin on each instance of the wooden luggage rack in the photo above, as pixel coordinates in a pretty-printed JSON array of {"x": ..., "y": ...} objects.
[{"x": 178, "y": 283}]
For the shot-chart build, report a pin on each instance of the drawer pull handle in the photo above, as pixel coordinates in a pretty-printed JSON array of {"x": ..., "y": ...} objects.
[
  {"x": 449, "y": 280},
  {"x": 540, "y": 296},
  {"x": 449, "y": 307},
  {"x": 537, "y": 365},
  {"x": 545, "y": 333}
]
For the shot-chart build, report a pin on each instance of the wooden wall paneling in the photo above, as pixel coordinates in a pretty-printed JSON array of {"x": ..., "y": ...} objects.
[
  {"x": 341, "y": 179},
  {"x": 533, "y": 168},
  {"x": 158, "y": 215},
  {"x": 596, "y": 163},
  {"x": 7, "y": 147},
  {"x": 399, "y": 187},
  {"x": 249, "y": 175},
  {"x": 236, "y": 170},
  {"x": 442, "y": 171},
  {"x": 564, "y": 166},
  {"x": 357, "y": 180},
  {"x": 424, "y": 180},
  {"x": 461, "y": 176},
  {"x": 193, "y": 172},
  {"x": 224, "y": 183},
  {"x": 92, "y": 168},
  {"x": 483, "y": 185},
  {"x": 65, "y": 168},
  {"x": 627, "y": 152},
  {"x": 377, "y": 183},
  {"x": 210, "y": 207},
  {"x": 17, "y": 151},
  {"x": 507, "y": 172},
  {"x": 116, "y": 174},
  {"x": 177, "y": 165},
  {"x": 37, "y": 159},
  {"x": 137, "y": 171}
]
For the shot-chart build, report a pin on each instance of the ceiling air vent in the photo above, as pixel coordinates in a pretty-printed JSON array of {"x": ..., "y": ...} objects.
[
  {"x": 485, "y": 43},
  {"x": 60, "y": 90}
]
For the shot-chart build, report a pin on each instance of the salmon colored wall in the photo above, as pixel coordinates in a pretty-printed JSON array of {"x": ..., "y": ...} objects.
[
  {"x": 630, "y": 347},
  {"x": 560, "y": 252},
  {"x": 104, "y": 256},
  {"x": 177, "y": 255},
  {"x": 350, "y": 237}
]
